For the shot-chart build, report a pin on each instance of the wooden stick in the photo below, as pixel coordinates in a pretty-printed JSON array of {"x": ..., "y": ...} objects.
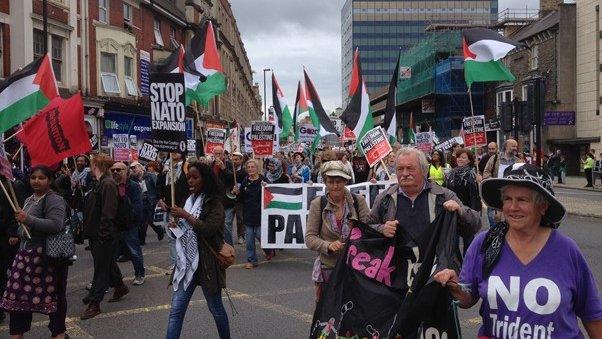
[
  {"x": 173, "y": 174},
  {"x": 15, "y": 206},
  {"x": 17, "y": 152},
  {"x": 382, "y": 162},
  {"x": 14, "y": 135}
]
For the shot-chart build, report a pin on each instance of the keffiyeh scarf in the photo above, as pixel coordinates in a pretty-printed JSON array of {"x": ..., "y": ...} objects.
[{"x": 187, "y": 245}]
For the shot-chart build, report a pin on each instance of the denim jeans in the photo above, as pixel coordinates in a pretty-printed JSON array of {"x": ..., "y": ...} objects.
[
  {"x": 229, "y": 221},
  {"x": 252, "y": 233},
  {"x": 179, "y": 304},
  {"x": 132, "y": 242}
]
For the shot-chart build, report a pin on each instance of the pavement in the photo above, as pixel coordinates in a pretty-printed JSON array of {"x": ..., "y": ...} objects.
[
  {"x": 579, "y": 200},
  {"x": 275, "y": 300}
]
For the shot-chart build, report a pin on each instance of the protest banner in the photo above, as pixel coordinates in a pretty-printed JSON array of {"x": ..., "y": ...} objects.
[
  {"x": 191, "y": 146},
  {"x": 262, "y": 139},
  {"x": 168, "y": 112},
  {"x": 121, "y": 147},
  {"x": 216, "y": 137},
  {"x": 286, "y": 206},
  {"x": 424, "y": 141},
  {"x": 248, "y": 145},
  {"x": 447, "y": 144},
  {"x": 375, "y": 145},
  {"x": 474, "y": 131},
  {"x": 134, "y": 156},
  {"x": 232, "y": 143},
  {"x": 307, "y": 133},
  {"x": 348, "y": 135},
  {"x": 148, "y": 153}
]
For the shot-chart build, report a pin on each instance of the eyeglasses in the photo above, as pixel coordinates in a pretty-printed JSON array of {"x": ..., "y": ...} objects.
[
  {"x": 133, "y": 167},
  {"x": 113, "y": 170}
]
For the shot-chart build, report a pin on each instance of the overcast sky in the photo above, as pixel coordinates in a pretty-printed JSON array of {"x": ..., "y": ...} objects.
[{"x": 285, "y": 35}]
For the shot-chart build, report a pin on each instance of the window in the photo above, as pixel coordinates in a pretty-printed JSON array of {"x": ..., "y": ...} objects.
[
  {"x": 57, "y": 57},
  {"x": 534, "y": 59},
  {"x": 525, "y": 92},
  {"x": 157, "y": 28},
  {"x": 127, "y": 12},
  {"x": 38, "y": 43},
  {"x": 110, "y": 83},
  {"x": 103, "y": 11},
  {"x": 172, "y": 38},
  {"x": 130, "y": 85}
]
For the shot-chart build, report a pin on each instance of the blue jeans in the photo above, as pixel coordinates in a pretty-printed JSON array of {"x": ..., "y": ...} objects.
[
  {"x": 179, "y": 304},
  {"x": 229, "y": 212},
  {"x": 132, "y": 242},
  {"x": 252, "y": 233}
]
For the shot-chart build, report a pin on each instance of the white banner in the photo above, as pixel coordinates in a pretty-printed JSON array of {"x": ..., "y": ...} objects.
[
  {"x": 285, "y": 208},
  {"x": 248, "y": 145}
]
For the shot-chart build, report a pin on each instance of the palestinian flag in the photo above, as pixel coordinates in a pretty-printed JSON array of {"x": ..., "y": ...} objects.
[
  {"x": 284, "y": 198},
  {"x": 410, "y": 135},
  {"x": 301, "y": 109},
  {"x": 357, "y": 116},
  {"x": 319, "y": 118},
  {"x": 390, "y": 123},
  {"x": 204, "y": 59},
  {"x": 25, "y": 92},
  {"x": 176, "y": 63},
  {"x": 483, "y": 49},
  {"x": 283, "y": 112}
]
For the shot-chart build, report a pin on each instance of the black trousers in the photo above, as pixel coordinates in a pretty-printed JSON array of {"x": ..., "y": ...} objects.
[
  {"x": 148, "y": 214},
  {"x": 7, "y": 255},
  {"x": 20, "y": 322},
  {"x": 588, "y": 177},
  {"x": 106, "y": 271}
]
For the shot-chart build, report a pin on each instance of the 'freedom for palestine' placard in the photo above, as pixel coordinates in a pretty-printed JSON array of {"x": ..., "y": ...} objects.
[{"x": 168, "y": 112}]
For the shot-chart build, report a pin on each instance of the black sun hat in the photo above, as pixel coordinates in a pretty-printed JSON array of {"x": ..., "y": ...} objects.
[{"x": 529, "y": 176}]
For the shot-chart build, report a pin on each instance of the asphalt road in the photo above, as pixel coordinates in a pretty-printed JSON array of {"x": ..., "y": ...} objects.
[
  {"x": 274, "y": 300},
  {"x": 583, "y": 194}
]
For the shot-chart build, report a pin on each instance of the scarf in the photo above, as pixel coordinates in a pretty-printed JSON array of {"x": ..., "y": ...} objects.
[
  {"x": 80, "y": 177},
  {"x": 492, "y": 247},
  {"x": 277, "y": 173},
  {"x": 187, "y": 244}
]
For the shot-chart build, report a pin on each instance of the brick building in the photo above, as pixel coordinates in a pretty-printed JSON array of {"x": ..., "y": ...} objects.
[
  {"x": 106, "y": 48},
  {"x": 548, "y": 52}
]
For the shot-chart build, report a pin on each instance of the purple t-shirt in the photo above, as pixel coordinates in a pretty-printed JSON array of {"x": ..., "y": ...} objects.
[{"x": 540, "y": 300}]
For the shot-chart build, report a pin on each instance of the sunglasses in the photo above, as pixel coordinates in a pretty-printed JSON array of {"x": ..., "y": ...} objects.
[{"x": 113, "y": 170}]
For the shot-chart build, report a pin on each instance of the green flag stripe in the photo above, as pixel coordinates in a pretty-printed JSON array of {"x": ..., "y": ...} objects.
[
  {"x": 286, "y": 205},
  {"x": 475, "y": 71},
  {"x": 21, "y": 110}
]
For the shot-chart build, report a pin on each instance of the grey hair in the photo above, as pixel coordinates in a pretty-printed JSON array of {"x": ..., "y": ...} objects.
[
  {"x": 422, "y": 161},
  {"x": 538, "y": 198}
]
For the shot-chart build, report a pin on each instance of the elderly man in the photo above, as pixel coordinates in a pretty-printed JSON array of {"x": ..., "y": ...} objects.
[
  {"x": 413, "y": 203},
  {"x": 495, "y": 169},
  {"x": 241, "y": 173},
  {"x": 148, "y": 184},
  {"x": 223, "y": 171}
]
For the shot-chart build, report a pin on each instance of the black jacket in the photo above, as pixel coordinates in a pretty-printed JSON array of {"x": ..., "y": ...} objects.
[
  {"x": 164, "y": 190},
  {"x": 99, "y": 223},
  {"x": 134, "y": 193},
  {"x": 250, "y": 195}
]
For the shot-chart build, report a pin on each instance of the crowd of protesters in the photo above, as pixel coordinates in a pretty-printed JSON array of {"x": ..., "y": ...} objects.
[{"x": 217, "y": 200}]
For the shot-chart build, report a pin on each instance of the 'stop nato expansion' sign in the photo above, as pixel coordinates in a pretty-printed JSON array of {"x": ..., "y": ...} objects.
[{"x": 168, "y": 112}]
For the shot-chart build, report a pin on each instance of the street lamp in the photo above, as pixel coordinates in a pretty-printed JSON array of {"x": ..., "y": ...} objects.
[{"x": 265, "y": 108}]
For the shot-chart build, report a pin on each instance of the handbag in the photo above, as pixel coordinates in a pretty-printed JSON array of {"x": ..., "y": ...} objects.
[
  {"x": 60, "y": 247},
  {"x": 226, "y": 255}
]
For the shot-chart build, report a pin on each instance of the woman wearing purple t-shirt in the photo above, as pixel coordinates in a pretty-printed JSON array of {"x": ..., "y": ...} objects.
[{"x": 533, "y": 280}]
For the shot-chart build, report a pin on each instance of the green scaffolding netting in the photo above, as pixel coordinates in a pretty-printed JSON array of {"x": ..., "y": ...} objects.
[{"x": 422, "y": 59}]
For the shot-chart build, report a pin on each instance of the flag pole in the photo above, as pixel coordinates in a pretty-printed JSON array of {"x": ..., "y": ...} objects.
[
  {"x": 14, "y": 205},
  {"x": 173, "y": 174},
  {"x": 474, "y": 144},
  {"x": 382, "y": 162},
  {"x": 13, "y": 135},
  {"x": 17, "y": 152}
]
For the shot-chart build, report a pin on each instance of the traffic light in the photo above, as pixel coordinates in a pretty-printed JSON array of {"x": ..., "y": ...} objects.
[
  {"x": 506, "y": 117},
  {"x": 524, "y": 114}
]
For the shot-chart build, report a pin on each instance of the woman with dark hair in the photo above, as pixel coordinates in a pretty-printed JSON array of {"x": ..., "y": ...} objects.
[
  {"x": 464, "y": 181},
  {"x": 198, "y": 234},
  {"x": 436, "y": 168},
  {"x": 36, "y": 285},
  {"x": 532, "y": 278}
]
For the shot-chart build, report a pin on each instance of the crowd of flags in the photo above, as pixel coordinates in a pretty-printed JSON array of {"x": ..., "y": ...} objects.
[{"x": 31, "y": 91}]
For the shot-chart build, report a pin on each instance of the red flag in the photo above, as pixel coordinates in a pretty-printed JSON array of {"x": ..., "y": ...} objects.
[{"x": 57, "y": 132}]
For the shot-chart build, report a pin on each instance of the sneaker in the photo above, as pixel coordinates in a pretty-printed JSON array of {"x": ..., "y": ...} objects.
[
  {"x": 249, "y": 266},
  {"x": 138, "y": 281},
  {"x": 169, "y": 270}
]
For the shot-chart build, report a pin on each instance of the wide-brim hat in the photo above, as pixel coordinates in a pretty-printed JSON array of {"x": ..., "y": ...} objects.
[
  {"x": 525, "y": 175},
  {"x": 335, "y": 168}
]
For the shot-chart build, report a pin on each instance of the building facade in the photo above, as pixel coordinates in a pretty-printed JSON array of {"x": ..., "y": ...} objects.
[
  {"x": 548, "y": 53},
  {"x": 380, "y": 29},
  {"x": 106, "y": 50},
  {"x": 588, "y": 95}
]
